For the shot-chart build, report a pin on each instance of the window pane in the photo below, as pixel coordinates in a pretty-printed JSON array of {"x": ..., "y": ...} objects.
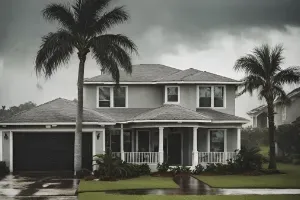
[
  {"x": 104, "y": 97},
  {"x": 217, "y": 141},
  {"x": 120, "y": 97},
  {"x": 127, "y": 141},
  {"x": 143, "y": 140},
  {"x": 204, "y": 96},
  {"x": 172, "y": 94},
  {"x": 219, "y": 96},
  {"x": 115, "y": 141}
]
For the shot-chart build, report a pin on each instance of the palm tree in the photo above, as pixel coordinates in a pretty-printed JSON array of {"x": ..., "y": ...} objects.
[
  {"x": 264, "y": 73},
  {"x": 83, "y": 28}
]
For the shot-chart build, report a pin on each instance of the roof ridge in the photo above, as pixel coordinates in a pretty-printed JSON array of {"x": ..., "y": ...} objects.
[
  {"x": 219, "y": 75},
  {"x": 198, "y": 71},
  {"x": 217, "y": 111},
  {"x": 179, "y": 70}
]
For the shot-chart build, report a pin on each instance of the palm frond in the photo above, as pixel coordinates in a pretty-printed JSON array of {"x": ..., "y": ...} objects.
[
  {"x": 262, "y": 54},
  {"x": 281, "y": 95},
  {"x": 56, "y": 49},
  {"x": 109, "y": 19},
  {"x": 250, "y": 65},
  {"x": 251, "y": 83},
  {"x": 276, "y": 59},
  {"x": 60, "y": 13},
  {"x": 287, "y": 76}
]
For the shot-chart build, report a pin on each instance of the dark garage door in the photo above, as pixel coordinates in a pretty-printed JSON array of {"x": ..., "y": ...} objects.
[{"x": 48, "y": 151}]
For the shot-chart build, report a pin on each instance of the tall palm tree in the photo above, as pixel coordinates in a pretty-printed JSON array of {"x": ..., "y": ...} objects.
[
  {"x": 83, "y": 28},
  {"x": 263, "y": 73}
]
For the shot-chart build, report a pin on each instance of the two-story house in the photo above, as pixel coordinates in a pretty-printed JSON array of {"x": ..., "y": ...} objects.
[
  {"x": 284, "y": 114},
  {"x": 157, "y": 114}
]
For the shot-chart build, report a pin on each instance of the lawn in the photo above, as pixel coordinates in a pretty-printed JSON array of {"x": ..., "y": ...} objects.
[
  {"x": 135, "y": 183},
  {"x": 289, "y": 180},
  {"x": 103, "y": 196}
]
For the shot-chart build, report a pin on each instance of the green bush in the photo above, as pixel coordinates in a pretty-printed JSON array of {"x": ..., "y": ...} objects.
[
  {"x": 249, "y": 159},
  {"x": 210, "y": 167},
  {"x": 180, "y": 169},
  {"x": 164, "y": 167},
  {"x": 3, "y": 168},
  {"x": 198, "y": 169},
  {"x": 144, "y": 169}
]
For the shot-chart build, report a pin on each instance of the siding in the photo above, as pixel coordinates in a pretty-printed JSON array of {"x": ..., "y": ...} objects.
[
  {"x": 202, "y": 140},
  {"x": 231, "y": 139},
  {"x": 292, "y": 111}
]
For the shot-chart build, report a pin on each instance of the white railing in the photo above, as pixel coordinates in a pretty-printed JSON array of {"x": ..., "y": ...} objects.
[
  {"x": 139, "y": 157},
  {"x": 215, "y": 157}
]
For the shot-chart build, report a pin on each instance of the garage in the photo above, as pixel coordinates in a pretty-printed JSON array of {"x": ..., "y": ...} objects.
[{"x": 49, "y": 151}]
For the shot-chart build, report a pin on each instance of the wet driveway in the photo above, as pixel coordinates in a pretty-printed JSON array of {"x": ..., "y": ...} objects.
[
  {"x": 38, "y": 187},
  {"x": 189, "y": 185}
]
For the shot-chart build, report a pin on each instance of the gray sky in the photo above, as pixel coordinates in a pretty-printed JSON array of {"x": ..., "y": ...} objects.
[{"x": 203, "y": 34}]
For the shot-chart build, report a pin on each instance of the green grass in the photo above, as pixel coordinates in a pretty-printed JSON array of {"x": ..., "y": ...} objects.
[
  {"x": 103, "y": 196},
  {"x": 135, "y": 183},
  {"x": 289, "y": 180}
]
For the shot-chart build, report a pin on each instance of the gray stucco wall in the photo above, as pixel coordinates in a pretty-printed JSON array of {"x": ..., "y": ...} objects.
[
  {"x": 231, "y": 139},
  {"x": 202, "y": 140},
  {"x": 262, "y": 120},
  {"x": 292, "y": 111},
  {"x": 152, "y": 96}
]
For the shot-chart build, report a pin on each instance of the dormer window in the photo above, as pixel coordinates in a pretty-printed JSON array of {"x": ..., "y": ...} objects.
[
  {"x": 211, "y": 96},
  {"x": 112, "y": 97},
  {"x": 172, "y": 94}
]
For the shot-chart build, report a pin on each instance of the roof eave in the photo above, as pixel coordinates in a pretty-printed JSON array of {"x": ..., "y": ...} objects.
[
  {"x": 165, "y": 82},
  {"x": 53, "y": 123}
]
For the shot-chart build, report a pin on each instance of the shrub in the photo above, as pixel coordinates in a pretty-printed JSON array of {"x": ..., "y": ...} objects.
[
  {"x": 198, "y": 169},
  {"x": 180, "y": 169},
  {"x": 270, "y": 171},
  {"x": 210, "y": 167},
  {"x": 83, "y": 173},
  {"x": 144, "y": 169},
  {"x": 164, "y": 167},
  {"x": 249, "y": 159},
  {"x": 3, "y": 168}
]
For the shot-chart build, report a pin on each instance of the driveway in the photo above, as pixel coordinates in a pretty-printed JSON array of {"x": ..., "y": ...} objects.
[{"x": 38, "y": 187}]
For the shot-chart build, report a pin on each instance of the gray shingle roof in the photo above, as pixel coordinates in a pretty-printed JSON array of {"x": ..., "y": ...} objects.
[
  {"x": 122, "y": 114},
  {"x": 219, "y": 116},
  {"x": 140, "y": 73},
  {"x": 170, "y": 112},
  {"x": 160, "y": 73},
  {"x": 257, "y": 110},
  {"x": 58, "y": 110}
]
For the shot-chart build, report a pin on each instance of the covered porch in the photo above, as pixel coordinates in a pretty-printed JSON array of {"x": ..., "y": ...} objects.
[{"x": 177, "y": 144}]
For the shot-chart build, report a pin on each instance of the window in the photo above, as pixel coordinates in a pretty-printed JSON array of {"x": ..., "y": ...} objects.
[
  {"x": 217, "y": 140},
  {"x": 205, "y": 97},
  {"x": 211, "y": 96},
  {"x": 104, "y": 96},
  {"x": 283, "y": 113},
  {"x": 112, "y": 97},
  {"x": 172, "y": 94},
  {"x": 120, "y": 97}
]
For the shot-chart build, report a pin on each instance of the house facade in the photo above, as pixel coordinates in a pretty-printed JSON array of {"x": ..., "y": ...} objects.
[
  {"x": 284, "y": 114},
  {"x": 157, "y": 114}
]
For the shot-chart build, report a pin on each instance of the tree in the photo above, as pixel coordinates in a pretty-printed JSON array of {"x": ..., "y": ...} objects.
[
  {"x": 7, "y": 113},
  {"x": 264, "y": 74},
  {"x": 83, "y": 28}
]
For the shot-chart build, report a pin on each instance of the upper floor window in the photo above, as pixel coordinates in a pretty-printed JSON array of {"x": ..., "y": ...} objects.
[
  {"x": 172, "y": 94},
  {"x": 112, "y": 97},
  {"x": 211, "y": 96}
]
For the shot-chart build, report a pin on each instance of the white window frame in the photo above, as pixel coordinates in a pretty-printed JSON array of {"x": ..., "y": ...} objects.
[
  {"x": 212, "y": 88},
  {"x": 111, "y": 96},
  {"x": 209, "y": 136},
  {"x": 166, "y": 94},
  {"x": 283, "y": 113}
]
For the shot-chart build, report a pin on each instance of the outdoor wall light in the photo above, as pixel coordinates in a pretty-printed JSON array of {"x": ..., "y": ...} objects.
[
  {"x": 5, "y": 136},
  {"x": 98, "y": 136}
]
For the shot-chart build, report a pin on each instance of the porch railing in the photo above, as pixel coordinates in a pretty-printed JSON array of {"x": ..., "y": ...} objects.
[
  {"x": 215, "y": 157},
  {"x": 139, "y": 157}
]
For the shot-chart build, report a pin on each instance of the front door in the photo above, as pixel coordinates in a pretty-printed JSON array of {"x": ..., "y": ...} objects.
[{"x": 174, "y": 149}]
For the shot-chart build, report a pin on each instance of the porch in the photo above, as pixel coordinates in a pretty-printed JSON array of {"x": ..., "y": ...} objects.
[{"x": 186, "y": 146}]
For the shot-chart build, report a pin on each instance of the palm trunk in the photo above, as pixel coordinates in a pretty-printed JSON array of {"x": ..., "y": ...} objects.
[
  {"x": 272, "y": 161},
  {"x": 79, "y": 118}
]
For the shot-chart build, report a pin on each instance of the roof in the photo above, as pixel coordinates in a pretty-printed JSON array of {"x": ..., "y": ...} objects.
[
  {"x": 215, "y": 115},
  {"x": 64, "y": 111},
  {"x": 58, "y": 110},
  {"x": 159, "y": 74},
  {"x": 294, "y": 93},
  {"x": 257, "y": 110},
  {"x": 170, "y": 112},
  {"x": 140, "y": 73}
]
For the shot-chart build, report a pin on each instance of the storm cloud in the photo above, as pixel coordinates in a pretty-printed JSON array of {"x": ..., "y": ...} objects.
[{"x": 166, "y": 31}]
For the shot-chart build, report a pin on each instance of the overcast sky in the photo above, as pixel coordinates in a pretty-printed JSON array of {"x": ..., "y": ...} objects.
[{"x": 202, "y": 34}]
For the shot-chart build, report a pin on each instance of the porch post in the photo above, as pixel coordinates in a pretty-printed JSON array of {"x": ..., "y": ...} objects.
[
  {"x": 225, "y": 146},
  {"x": 238, "y": 138},
  {"x": 1, "y": 145},
  {"x": 161, "y": 145},
  {"x": 195, "y": 148},
  {"x": 103, "y": 141},
  {"x": 122, "y": 142}
]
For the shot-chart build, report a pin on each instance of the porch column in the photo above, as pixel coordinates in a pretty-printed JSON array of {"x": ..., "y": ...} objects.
[
  {"x": 122, "y": 142},
  {"x": 195, "y": 148},
  {"x": 1, "y": 147},
  {"x": 238, "y": 139},
  {"x": 225, "y": 146},
  {"x": 161, "y": 145}
]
